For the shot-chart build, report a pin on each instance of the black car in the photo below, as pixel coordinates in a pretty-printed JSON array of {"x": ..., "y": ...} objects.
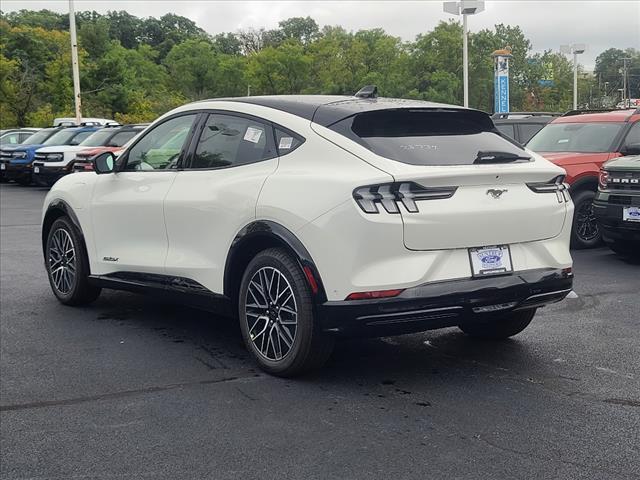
[
  {"x": 617, "y": 204},
  {"x": 521, "y": 126}
]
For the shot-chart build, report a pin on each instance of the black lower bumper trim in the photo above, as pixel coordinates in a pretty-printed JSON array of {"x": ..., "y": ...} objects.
[{"x": 446, "y": 304}]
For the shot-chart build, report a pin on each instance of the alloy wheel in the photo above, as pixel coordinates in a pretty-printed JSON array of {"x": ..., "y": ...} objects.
[
  {"x": 586, "y": 224},
  {"x": 271, "y": 313},
  {"x": 62, "y": 261}
]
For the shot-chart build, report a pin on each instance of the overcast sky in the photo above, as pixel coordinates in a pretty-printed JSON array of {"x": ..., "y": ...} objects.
[{"x": 548, "y": 24}]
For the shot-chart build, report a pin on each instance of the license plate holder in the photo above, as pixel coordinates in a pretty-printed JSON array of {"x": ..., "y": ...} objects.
[
  {"x": 490, "y": 260},
  {"x": 631, "y": 214}
]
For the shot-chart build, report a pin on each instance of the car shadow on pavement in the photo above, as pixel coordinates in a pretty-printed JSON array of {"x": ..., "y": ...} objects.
[{"x": 436, "y": 353}]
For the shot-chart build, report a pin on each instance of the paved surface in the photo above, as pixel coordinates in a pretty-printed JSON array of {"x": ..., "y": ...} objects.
[{"x": 133, "y": 388}]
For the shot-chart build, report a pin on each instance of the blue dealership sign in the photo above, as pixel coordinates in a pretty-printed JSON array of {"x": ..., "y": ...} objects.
[{"x": 501, "y": 83}]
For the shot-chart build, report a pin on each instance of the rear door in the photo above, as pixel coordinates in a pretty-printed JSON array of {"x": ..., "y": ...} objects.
[
  {"x": 491, "y": 201},
  {"x": 215, "y": 195}
]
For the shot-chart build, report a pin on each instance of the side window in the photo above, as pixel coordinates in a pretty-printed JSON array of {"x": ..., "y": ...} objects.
[
  {"x": 119, "y": 139},
  {"x": 633, "y": 136},
  {"x": 287, "y": 141},
  {"x": 12, "y": 138},
  {"x": 160, "y": 148},
  {"x": 507, "y": 129},
  {"x": 528, "y": 130},
  {"x": 80, "y": 137},
  {"x": 227, "y": 140}
]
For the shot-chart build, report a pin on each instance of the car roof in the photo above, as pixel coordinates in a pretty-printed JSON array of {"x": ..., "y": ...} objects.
[
  {"x": 328, "y": 109},
  {"x": 625, "y": 115}
]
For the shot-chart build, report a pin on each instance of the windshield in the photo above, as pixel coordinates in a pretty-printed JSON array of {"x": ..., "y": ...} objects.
[
  {"x": 38, "y": 137},
  {"x": 575, "y": 137},
  {"x": 98, "y": 139},
  {"x": 61, "y": 138},
  {"x": 427, "y": 137}
]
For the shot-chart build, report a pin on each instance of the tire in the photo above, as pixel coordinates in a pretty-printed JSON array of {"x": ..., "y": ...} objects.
[
  {"x": 69, "y": 288},
  {"x": 585, "y": 232},
  {"x": 282, "y": 343},
  {"x": 503, "y": 327}
]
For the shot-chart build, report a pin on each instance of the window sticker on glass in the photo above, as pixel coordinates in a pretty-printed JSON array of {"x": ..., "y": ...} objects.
[
  {"x": 285, "y": 143},
  {"x": 253, "y": 135}
]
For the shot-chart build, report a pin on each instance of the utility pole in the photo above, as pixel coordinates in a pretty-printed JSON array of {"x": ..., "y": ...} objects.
[
  {"x": 74, "y": 63},
  {"x": 624, "y": 82}
]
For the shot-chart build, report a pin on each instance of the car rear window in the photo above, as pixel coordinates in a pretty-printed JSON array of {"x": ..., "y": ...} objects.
[{"x": 426, "y": 136}]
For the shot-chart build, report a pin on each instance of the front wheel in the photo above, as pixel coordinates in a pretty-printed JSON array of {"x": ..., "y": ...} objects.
[
  {"x": 503, "y": 327},
  {"x": 585, "y": 232},
  {"x": 67, "y": 265},
  {"x": 276, "y": 316}
]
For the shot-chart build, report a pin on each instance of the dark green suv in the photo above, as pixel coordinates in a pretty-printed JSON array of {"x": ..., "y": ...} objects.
[{"x": 617, "y": 204}]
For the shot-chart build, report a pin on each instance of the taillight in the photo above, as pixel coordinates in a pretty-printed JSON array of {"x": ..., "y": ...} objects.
[
  {"x": 389, "y": 195},
  {"x": 603, "y": 178},
  {"x": 374, "y": 294},
  {"x": 555, "y": 185}
]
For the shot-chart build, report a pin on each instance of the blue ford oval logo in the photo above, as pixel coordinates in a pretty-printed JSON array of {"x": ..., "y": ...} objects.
[{"x": 490, "y": 257}]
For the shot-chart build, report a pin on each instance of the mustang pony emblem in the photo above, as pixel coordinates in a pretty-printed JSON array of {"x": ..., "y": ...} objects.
[{"x": 495, "y": 192}]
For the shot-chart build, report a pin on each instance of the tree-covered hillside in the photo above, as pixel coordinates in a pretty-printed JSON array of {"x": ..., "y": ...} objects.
[{"x": 134, "y": 69}]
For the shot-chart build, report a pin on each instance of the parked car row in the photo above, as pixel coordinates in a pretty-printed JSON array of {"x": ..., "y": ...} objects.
[
  {"x": 54, "y": 152},
  {"x": 578, "y": 141}
]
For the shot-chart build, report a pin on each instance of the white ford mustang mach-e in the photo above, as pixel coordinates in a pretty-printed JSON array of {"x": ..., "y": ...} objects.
[{"x": 312, "y": 217}]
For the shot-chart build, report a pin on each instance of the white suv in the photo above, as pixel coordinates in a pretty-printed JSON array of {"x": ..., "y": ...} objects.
[{"x": 312, "y": 217}]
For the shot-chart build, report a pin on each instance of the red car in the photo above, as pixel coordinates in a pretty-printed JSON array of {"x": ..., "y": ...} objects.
[
  {"x": 84, "y": 158},
  {"x": 580, "y": 142}
]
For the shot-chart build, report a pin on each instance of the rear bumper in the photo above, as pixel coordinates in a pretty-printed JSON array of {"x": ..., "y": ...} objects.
[
  {"x": 609, "y": 216},
  {"x": 446, "y": 304}
]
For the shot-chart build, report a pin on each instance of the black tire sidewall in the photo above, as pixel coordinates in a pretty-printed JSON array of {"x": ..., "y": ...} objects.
[
  {"x": 579, "y": 199},
  {"x": 82, "y": 269},
  {"x": 305, "y": 327}
]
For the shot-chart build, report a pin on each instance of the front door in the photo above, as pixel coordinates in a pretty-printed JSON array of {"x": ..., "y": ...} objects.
[{"x": 127, "y": 206}]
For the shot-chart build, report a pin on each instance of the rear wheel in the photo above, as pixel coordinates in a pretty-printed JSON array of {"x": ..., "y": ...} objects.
[
  {"x": 585, "y": 232},
  {"x": 503, "y": 327},
  {"x": 67, "y": 265},
  {"x": 276, "y": 316}
]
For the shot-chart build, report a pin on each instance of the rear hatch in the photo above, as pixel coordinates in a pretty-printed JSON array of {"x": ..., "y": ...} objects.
[{"x": 472, "y": 187}]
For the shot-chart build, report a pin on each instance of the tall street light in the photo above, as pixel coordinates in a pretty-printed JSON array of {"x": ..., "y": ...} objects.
[
  {"x": 575, "y": 49},
  {"x": 464, "y": 8}
]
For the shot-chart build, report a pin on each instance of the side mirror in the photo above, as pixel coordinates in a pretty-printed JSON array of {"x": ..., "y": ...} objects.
[
  {"x": 631, "y": 149},
  {"x": 104, "y": 163}
]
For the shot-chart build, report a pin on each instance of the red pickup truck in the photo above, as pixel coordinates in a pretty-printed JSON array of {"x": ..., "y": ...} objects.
[{"x": 580, "y": 142}]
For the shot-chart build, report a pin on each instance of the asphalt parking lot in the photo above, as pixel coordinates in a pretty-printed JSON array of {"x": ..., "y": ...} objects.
[{"x": 131, "y": 387}]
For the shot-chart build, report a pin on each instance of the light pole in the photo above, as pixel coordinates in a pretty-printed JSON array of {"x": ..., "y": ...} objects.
[
  {"x": 464, "y": 8},
  {"x": 576, "y": 49},
  {"x": 74, "y": 63}
]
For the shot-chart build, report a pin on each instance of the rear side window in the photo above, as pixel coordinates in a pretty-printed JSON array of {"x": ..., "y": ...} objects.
[
  {"x": 528, "y": 130},
  {"x": 426, "y": 137},
  {"x": 287, "y": 141},
  {"x": 507, "y": 129}
]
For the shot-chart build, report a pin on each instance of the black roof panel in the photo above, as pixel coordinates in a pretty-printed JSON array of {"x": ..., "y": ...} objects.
[{"x": 328, "y": 109}]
